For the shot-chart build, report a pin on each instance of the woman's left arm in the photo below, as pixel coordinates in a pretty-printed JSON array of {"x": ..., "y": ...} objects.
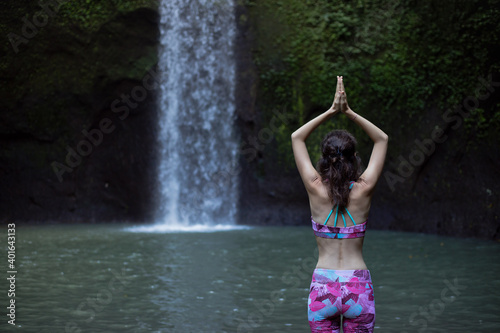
[{"x": 306, "y": 169}]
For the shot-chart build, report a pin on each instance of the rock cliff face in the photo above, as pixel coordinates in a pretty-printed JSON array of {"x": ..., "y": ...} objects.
[
  {"x": 78, "y": 121},
  {"x": 441, "y": 174}
]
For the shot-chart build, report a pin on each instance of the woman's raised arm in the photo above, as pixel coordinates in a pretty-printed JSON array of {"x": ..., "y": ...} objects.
[
  {"x": 306, "y": 169},
  {"x": 373, "y": 171}
]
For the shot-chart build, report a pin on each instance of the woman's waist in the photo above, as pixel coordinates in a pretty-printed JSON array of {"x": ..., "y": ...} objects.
[
  {"x": 341, "y": 275},
  {"x": 351, "y": 262}
]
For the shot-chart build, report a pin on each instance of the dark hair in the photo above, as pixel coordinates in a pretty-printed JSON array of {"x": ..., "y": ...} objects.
[{"x": 338, "y": 165}]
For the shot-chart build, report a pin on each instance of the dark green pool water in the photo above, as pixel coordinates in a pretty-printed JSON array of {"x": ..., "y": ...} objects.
[{"x": 106, "y": 278}]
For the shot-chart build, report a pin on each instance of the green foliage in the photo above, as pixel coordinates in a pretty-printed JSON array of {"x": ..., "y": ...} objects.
[
  {"x": 80, "y": 51},
  {"x": 399, "y": 59},
  {"x": 90, "y": 15}
]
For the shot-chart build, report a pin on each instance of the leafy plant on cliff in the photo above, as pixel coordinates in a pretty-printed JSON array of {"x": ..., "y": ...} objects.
[{"x": 399, "y": 60}]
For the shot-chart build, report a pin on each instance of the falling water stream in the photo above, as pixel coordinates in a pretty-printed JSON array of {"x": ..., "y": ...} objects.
[{"x": 198, "y": 184}]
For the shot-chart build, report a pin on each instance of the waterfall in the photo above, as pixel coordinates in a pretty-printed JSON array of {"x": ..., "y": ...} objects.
[{"x": 198, "y": 154}]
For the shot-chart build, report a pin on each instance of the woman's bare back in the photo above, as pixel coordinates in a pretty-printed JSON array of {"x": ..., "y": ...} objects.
[{"x": 340, "y": 253}]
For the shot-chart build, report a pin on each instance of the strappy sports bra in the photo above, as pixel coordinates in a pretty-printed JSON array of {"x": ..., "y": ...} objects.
[{"x": 326, "y": 231}]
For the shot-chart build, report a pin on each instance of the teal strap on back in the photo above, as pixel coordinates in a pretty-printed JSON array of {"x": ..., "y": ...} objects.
[
  {"x": 350, "y": 216},
  {"x": 328, "y": 216},
  {"x": 336, "y": 215}
]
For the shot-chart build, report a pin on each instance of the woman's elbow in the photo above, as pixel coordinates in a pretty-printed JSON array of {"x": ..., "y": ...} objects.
[{"x": 382, "y": 138}]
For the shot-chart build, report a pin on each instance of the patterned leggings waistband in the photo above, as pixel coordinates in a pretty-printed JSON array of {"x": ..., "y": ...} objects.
[{"x": 360, "y": 275}]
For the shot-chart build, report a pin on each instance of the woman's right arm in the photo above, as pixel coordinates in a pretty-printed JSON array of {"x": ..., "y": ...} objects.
[
  {"x": 307, "y": 172},
  {"x": 380, "y": 140}
]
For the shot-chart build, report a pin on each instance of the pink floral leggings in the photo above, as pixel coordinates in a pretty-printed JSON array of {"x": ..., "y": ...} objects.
[{"x": 341, "y": 292}]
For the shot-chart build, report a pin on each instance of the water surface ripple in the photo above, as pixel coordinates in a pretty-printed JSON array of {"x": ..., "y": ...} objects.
[{"x": 105, "y": 278}]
